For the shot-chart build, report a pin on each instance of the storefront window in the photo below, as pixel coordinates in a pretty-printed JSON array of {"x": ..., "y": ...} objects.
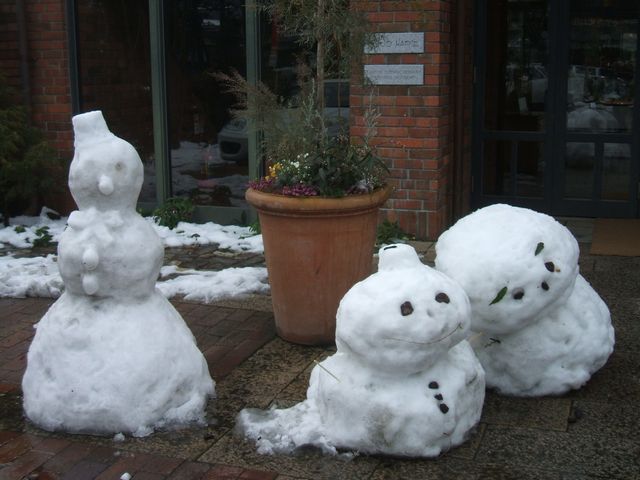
[
  {"x": 208, "y": 149},
  {"x": 114, "y": 74}
]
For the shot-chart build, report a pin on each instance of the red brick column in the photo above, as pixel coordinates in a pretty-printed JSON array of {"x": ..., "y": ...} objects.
[{"x": 415, "y": 125}]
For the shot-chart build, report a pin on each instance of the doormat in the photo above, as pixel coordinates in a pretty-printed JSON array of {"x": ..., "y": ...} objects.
[{"x": 616, "y": 236}]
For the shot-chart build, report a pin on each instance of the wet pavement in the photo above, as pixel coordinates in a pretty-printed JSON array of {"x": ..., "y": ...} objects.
[{"x": 591, "y": 433}]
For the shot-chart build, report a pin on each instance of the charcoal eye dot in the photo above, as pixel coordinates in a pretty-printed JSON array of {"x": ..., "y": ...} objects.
[
  {"x": 545, "y": 286},
  {"x": 550, "y": 266},
  {"x": 406, "y": 309},
  {"x": 442, "y": 298},
  {"x": 518, "y": 294}
]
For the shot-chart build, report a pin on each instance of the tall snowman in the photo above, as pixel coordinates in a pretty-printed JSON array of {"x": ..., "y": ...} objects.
[
  {"x": 404, "y": 381},
  {"x": 541, "y": 328},
  {"x": 111, "y": 354}
]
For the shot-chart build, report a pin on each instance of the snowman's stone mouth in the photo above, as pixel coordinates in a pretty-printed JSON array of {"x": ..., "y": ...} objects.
[{"x": 458, "y": 327}]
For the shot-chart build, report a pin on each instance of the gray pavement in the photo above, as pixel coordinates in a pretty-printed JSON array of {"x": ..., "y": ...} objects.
[{"x": 591, "y": 433}]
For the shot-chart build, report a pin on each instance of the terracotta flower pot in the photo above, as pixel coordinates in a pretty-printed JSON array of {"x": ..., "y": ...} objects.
[{"x": 316, "y": 248}]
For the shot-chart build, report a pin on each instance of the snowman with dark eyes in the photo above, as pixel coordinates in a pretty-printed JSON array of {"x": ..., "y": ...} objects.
[
  {"x": 112, "y": 354},
  {"x": 404, "y": 381},
  {"x": 540, "y": 327}
]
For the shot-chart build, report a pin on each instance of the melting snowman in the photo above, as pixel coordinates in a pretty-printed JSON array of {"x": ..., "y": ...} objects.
[
  {"x": 111, "y": 354},
  {"x": 541, "y": 328},
  {"x": 404, "y": 380}
]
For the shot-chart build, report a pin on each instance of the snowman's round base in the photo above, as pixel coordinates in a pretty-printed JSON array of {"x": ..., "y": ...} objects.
[
  {"x": 103, "y": 366},
  {"x": 564, "y": 347}
]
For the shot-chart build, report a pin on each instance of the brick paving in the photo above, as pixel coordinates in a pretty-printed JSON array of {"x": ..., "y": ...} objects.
[{"x": 588, "y": 434}]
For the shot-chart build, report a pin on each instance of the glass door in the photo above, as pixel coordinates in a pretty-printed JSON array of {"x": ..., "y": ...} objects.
[
  {"x": 555, "y": 128},
  {"x": 512, "y": 103},
  {"x": 598, "y": 168},
  {"x": 208, "y": 149}
]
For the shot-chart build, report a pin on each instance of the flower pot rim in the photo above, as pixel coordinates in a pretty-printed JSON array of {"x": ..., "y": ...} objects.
[{"x": 276, "y": 203}]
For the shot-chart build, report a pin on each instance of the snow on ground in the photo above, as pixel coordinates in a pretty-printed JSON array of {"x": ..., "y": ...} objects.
[
  {"x": 22, "y": 232},
  {"x": 39, "y": 276}
]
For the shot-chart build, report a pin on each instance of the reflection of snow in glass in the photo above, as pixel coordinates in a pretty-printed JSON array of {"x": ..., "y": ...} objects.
[{"x": 190, "y": 161}]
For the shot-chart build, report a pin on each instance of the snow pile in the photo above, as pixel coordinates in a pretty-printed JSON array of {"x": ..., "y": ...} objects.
[
  {"x": 112, "y": 354},
  {"x": 543, "y": 329},
  {"x": 23, "y": 230},
  {"x": 230, "y": 237},
  {"x": 403, "y": 381},
  {"x": 208, "y": 286},
  {"x": 40, "y": 277},
  {"x": 30, "y": 277}
]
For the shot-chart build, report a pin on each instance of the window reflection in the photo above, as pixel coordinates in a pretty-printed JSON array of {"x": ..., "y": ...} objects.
[
  {"x": 602, "y": 53},
  {"x": 517, "y": 58},
  {"x": 208, "y": 149}
]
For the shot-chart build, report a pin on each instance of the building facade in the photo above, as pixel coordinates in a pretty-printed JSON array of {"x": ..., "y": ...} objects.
[{"x": 527, "y": 102}]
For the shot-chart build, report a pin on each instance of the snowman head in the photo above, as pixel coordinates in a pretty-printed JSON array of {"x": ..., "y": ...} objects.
[
  {"x": 403, "y": 318},
  {"x": 106, "y": 172},
  {"x": 512, "y": 262}
]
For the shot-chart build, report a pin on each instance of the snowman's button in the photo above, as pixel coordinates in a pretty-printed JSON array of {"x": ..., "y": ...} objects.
[
  {"x": 433, "y": 385},
  {"x": 545, "y": 286},
  {"x": 550, "y": 266},
  {"x": 90, "y": 259},
  {"x": 438, "y": 397},
  {"x": 90, "y": 284},
  {"x": 406, "y": 309},
  {"x": 444, "y": 408}
]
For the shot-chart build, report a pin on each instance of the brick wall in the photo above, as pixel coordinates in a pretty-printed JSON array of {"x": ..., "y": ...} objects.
[{"x": 415, "y": 127}]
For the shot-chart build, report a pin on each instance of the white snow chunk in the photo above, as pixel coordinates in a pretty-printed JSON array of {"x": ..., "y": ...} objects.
[
  {"x": 208, "y": 286},
  {"x": 125, "y": 476},
  {"x": 542, "y": 329},
  {"x": 119, "y": 437},
  {"x": 30, "y": 277},
  {"x": 404, "y": 380}
]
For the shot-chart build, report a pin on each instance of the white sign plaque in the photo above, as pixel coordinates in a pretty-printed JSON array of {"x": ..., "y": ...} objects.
[
  {"x": 395, "y": 74},
  {"x": 406, "y": 42}
]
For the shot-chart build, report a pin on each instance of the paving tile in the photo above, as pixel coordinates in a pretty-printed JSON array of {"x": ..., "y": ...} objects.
[
  {"x": 308, "y": 464},
  {"x": 66, "y": 459},
  {"x": 159, "y": 464},
  {"x": 622, "y": 419},
  {"x": 16, "y": 338},
  {"x": 189, "y": 471},
  {"x": 625, "y": 313},
  {"x": 23, "y": 465},
  {"x": 544, "y": 413},
  {"x": 223, "y": 472},
  {"x": 257, "y": 475},
  {"x": 84, "y": 469},
  {"x": 147, "y": 476},
  {"x": 600, "y": 453}
]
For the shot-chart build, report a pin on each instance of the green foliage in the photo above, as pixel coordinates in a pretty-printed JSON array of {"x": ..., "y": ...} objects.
[
  {"x": 26, "y": 161},
  {"x": 19, "y": 229},
  {"x": 174, "y": 210},
  {"x": 390, "y": 232},
  {"x": 43, "y": 237},
  {"x": 255, "y": 227},
  {"x": 499, "y": 296}
]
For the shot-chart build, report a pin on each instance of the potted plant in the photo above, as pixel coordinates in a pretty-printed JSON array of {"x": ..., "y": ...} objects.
[{"x": 318, "y": 203}]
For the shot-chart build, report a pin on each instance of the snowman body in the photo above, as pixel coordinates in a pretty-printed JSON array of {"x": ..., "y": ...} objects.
[
  {"x": 404, "y": 380},
  {"x": 111, "y": 354},
  {"x": 540, "y": 327}
]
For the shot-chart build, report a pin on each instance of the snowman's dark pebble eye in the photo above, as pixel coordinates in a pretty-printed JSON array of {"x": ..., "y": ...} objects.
[
  {"x": 545, "y": 286},
  {"x": 518, "y": 294},
  {"x": 433, "y": 385},
  {"x": 550, "y": 266},
  {"x": 442, "y": 298},
  {"x": 444, "y": 408},
  {"x": 406, "y": 309},
  {"x": 438, "y": 397}
]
